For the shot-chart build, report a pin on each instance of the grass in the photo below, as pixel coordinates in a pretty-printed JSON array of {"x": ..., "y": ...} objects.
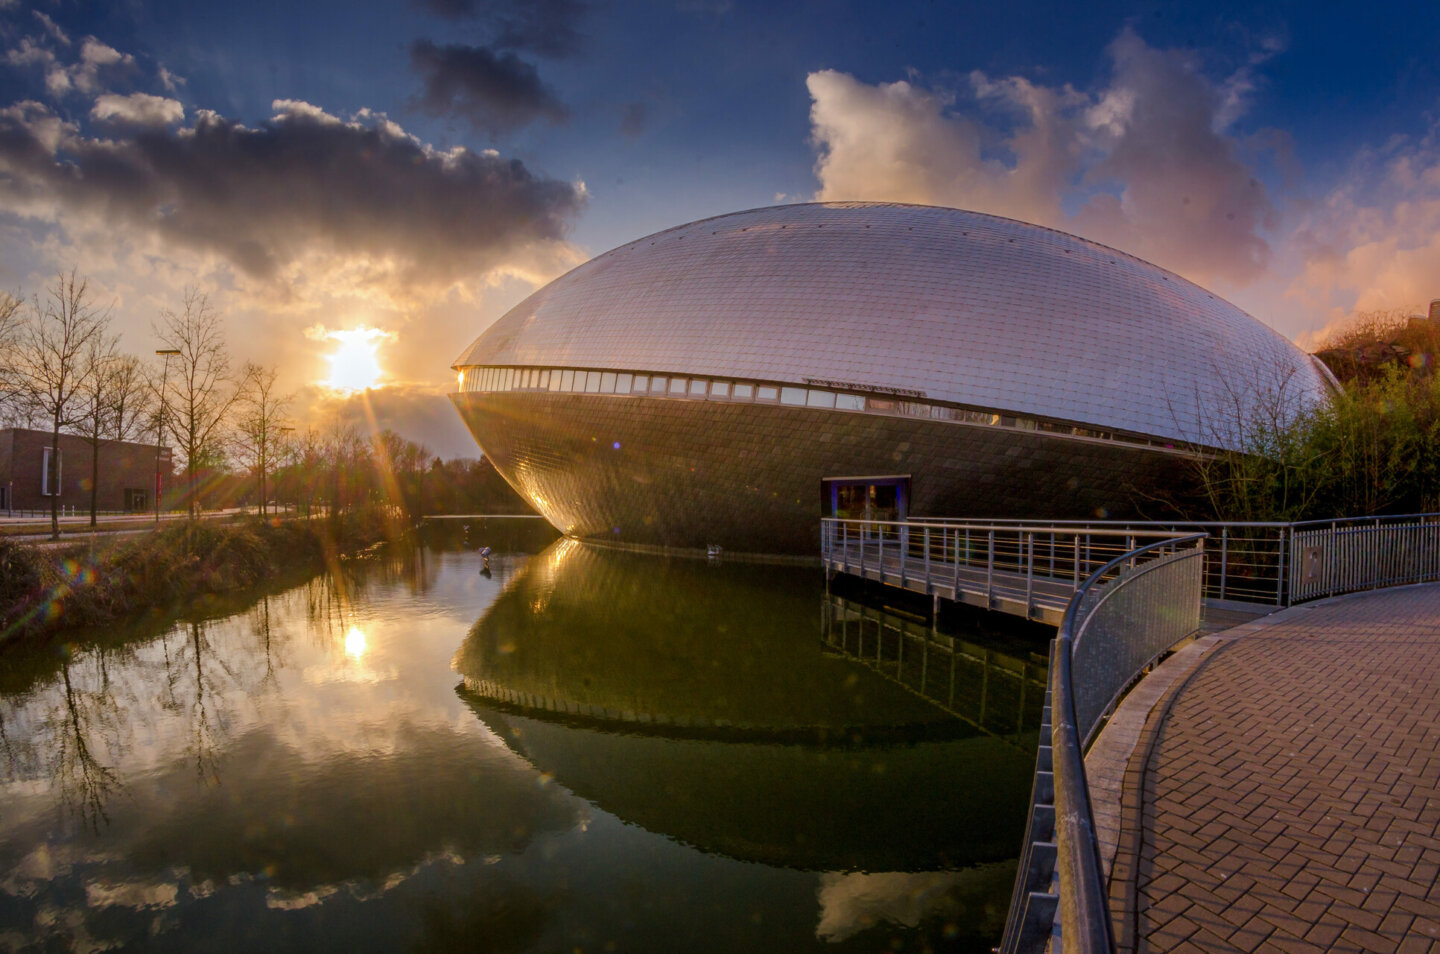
[{"x": 48, "y": 591}]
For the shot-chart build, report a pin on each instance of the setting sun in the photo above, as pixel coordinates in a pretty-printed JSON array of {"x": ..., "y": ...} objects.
[{"x": 355, "y": 366}]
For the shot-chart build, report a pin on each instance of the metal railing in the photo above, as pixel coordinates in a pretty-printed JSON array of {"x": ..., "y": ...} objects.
[
  {"x": 1120, "y": 620},
  {"x": 1278, "y": 564},
  {"x": 1028, "y": 568},
  {"x": 1245, "y": 561},
  {"x": 1143, "y": 587},
  {"x": 1342, "y": 556}
]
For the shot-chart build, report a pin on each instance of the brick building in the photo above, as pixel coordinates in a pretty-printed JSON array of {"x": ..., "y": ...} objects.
[{"x": 127, "y": 472}]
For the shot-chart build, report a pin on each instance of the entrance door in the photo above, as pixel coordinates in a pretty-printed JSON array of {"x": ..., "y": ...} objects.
[
  {"x": 883, "y": 499},
  {"x": 865, "y": 498}
]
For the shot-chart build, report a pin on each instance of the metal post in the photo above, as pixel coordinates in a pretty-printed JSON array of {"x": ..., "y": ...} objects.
[
  {"x": 902, "y": 546},
  {"x": 1029, "y": 572},
  {"x": 1224, "y": 556},
  {"x": 1285, "y": 533},
  {"x": 927, "y": 560},
  {"x": 990, "y": 571},
  {"x": 956, "y": 585}
]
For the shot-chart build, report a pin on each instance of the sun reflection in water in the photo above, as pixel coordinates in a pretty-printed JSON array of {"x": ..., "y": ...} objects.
[{"x": 355, "y": 643}]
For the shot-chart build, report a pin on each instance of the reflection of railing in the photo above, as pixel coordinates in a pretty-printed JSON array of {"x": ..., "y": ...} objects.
[
  {"x": 1254, "y": 562},
  {"x": 995, "y": 692},
  {"x": 1121, "y": 619}
]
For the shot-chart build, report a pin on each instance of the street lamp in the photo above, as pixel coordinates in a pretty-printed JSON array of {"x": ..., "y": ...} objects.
[{"x": 160, "y": 425}]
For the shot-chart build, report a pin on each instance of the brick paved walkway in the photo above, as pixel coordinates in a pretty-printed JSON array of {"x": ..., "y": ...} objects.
[{"x": 1286, "y": 795}]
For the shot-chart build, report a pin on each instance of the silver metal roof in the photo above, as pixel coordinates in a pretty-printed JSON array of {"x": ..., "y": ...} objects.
[{"x": 964, "y": 307}]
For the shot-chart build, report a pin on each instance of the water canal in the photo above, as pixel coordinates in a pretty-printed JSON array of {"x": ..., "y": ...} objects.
[{"x": 584, "y": 750}]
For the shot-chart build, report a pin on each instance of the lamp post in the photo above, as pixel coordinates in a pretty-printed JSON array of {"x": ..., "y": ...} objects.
[{"x": 160, "y": 425}]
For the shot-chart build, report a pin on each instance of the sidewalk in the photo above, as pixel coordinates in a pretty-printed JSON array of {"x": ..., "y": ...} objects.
[{"x": 1284, "y": 791}]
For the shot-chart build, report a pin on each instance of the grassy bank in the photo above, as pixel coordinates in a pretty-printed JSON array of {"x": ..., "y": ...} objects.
[{"x": 46, "y": 592}]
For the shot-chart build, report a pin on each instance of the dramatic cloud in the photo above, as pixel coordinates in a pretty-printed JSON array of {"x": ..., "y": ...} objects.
[
  {"x": 898, "y": 142},
  {"x": 302, "y": 185},
  {"x": 52, "y": 28},
  {"x": 1146, "y": 164},
  {"x": 546, "y": 27},
  {"x": 1373, "y": 244},
  {"x": 97, "y": 63},
  {"x": 495, "y": 92},
  {"x": 1185, "y": 197},
  {"x": 138, "y": 109}
]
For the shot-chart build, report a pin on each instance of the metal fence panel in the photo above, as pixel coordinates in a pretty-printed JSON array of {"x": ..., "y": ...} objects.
[
  {"x": 1124, "y": 624},
  {"x": 1348, "y": 556}
]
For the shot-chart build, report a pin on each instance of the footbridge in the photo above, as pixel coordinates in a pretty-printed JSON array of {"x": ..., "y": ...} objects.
[
  {"x": 1127, "y": 594},
  {"x": 1034, "y": 568}
]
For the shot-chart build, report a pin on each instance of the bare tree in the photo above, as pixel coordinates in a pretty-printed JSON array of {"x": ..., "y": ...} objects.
[
  {"x": 1255, "y": 462},
  {"x": 51, "y": 367},
  {"x": 93, "y": 405},
  {"x": 10, "y": 306},
  {"x": 199, "y": 394},
  {"x": 129, "y": 398},
  {"x": 263, "y": 422}
]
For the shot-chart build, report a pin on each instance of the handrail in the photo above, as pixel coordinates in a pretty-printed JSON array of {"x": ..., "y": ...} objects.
[
  {"x": 1082, "y": 903},
  {"x": 1257, "y": 562},
  {"x": 1010, "y": 522},
  {"x": 1084, "y": 907},
  {"x": 942, "y": 523}
]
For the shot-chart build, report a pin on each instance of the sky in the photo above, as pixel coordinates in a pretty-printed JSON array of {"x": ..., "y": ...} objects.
[{"x": 402, "y": 173}]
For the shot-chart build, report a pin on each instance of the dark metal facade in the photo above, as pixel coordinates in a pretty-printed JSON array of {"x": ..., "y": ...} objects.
[{"x": 748, "y": 477}]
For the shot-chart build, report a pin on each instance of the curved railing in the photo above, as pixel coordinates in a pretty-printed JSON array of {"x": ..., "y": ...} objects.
[{"x": 1124, "y": 616}]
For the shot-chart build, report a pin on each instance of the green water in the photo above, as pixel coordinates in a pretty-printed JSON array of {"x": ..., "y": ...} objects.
[{"x": 580, "y": 750}]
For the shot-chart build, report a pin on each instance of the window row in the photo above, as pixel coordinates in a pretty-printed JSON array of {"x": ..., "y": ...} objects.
[
  {"x": 567, "y": 380},
  {"x": 652, "y": 385}
]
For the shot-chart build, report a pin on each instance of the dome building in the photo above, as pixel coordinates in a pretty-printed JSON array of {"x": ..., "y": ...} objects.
[{"x": 729, "y": 381}]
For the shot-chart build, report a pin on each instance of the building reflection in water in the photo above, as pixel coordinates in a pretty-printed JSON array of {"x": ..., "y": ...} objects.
[
  {"x": 699, "y": 702},
  {"x": 649, "y": 729}
]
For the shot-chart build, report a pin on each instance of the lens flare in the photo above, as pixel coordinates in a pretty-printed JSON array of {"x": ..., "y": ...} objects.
[{"x": 355, "y": 365}]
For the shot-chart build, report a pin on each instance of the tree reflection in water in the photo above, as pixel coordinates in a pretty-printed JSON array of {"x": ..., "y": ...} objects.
[
  {"x": 244, "y": 771},
  {"x": 89, "y": 719}
]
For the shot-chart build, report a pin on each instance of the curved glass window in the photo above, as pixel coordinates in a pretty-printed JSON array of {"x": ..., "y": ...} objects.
[{"x": 651, "y": 386}]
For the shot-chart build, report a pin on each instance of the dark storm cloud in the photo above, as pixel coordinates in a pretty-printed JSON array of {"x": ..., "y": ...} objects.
[
  {"x": 495, "y": 92},
  {"x": 303, "y": 182},
  {"x": 546, "y": 27}
]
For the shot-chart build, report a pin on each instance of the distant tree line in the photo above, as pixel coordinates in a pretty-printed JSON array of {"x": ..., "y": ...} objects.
[{"x": 63, "y": 371}]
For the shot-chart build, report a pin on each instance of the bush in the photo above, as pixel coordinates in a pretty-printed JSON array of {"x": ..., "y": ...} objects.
[
  {"x": 1374, "y": 449},
  {"x": 43, "y": 591}
]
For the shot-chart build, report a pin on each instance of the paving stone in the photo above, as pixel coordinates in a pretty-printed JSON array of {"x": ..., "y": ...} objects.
[{"x": 1288, "y": 790}]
